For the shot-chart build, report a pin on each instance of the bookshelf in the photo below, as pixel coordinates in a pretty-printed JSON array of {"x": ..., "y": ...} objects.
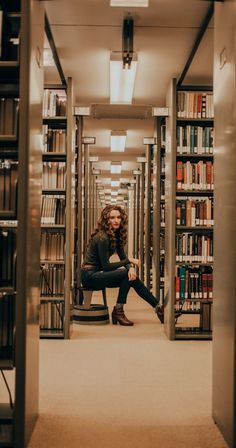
[
  {"x": 189, "y": 213},
  {"x": 21, "y": 87},
  {"x": 148, "y": 228},
  {"x": 158, "y": 203},
  {"x": 224, "y": 340},
  {"x": 57, "y": 212}
]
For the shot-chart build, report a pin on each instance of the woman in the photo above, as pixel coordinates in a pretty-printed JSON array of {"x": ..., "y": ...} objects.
[{"x": 110, "y": 237}]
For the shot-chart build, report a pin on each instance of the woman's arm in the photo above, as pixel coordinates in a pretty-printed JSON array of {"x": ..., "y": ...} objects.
[{"x": 104, "y": 255}]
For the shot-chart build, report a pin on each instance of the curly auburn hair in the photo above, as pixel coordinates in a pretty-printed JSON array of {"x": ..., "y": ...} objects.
[{"x": 118, "y": 237}]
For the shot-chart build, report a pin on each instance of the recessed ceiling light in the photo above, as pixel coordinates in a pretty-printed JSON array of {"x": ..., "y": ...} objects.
[
  {"x": 118, "y": 139},
  {"x": 115, "y": 168}
]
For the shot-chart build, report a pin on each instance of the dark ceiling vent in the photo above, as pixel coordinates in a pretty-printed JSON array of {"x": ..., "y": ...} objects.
[{"x": 141, "y": 112}]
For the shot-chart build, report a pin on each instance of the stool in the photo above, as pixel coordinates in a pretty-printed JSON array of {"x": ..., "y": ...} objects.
[
  {"x": 86, "y": 313},
  {"x": 85, "y": 296}
]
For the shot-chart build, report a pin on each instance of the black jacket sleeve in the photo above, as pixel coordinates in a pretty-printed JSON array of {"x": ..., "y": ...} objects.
[
  {"x": 122, "y": 255},
  {"x": 103, "y": 252}
]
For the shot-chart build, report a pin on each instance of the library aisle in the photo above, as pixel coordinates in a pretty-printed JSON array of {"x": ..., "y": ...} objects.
[{"x": 112, "y": 387}]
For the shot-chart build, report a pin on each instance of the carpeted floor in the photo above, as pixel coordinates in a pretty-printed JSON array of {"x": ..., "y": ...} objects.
[{"x": 122, "y": 387}]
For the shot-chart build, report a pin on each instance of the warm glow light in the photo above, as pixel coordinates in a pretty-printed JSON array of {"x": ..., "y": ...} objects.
[
  {"x": 115, "y": 168},
  {"x": 134, "y": 3},
  {"x": 121, "y": 79},
  {"x": 118, "y": 139},
  {"x": 48, "y": 60}
]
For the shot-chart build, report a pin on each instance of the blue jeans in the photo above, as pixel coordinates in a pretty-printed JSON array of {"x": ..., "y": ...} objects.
[{"x": 117, "y": 278}]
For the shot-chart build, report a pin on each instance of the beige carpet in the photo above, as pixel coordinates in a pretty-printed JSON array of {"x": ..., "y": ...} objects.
[{"x": 119, "y": 387}]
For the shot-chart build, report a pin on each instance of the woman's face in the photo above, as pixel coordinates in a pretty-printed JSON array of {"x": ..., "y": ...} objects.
[{"x": 114, "y": 219}]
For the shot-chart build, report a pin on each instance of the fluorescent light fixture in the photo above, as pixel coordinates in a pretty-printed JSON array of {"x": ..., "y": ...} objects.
[
  {"x": 115, "y": 168},
  {"x": 118, "y": 139},
  {"x": 115, "y": 183},
  {"x": 121, "y": 79},
  {"x": 131, "y": 3},
  {"x": 93, "y": 159},
  {"x": 136, "y": 172}
]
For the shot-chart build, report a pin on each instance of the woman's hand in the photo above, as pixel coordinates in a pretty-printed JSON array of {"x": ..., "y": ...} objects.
[
  {"x": 135, "y": 261},
  {"x": 132, "y": 274}
]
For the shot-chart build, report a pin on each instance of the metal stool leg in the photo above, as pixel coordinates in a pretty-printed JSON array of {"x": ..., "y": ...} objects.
[{"x": 104, "y": 295}]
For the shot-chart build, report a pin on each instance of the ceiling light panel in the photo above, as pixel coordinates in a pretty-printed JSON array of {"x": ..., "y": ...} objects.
[
  {"x": 118, "y": 139},
  {"x": 122, "y": 80},
  {"x": 130, "y": 3},
  {"x": 115, "y": 168}
]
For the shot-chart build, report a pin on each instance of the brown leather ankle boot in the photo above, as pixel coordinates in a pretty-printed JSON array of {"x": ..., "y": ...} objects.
[{"x": 118, "y": 316}]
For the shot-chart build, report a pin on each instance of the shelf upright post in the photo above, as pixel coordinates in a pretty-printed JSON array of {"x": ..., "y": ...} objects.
[
  {"x": 69, "y": 207},
  {"x": 170, "y": 219},
  {"x": 29, "y": 205}
]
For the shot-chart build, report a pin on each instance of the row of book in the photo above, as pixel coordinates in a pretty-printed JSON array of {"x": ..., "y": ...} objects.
[
  {"x": 8, "y": 257},
  {"x": 7, "y": 322},
  {"x": 162, "y": 213},
  {"x": 52, "y": 280},
  {"x": 54, "y": 175},
  {"x": 195, "y": 139},
  {"x": 52, "y": 246},
  {"x": 194, "y": 283},
  {"x": 8, "y": 186},
  {"x": 53, "y": 209},
  {"x": 9, "y": 108},
  {"x": 195, "y": 104},
  {"x": 194, "y": 176},
  {"x": 194, "y": 211},
  {"x": 51, "y": 316},
  {"x": 54, "y": 139},
  {"x": 193, "y": 247},
  {"x": 54, "y": 103},
  {"x": 162, "y": 189}
]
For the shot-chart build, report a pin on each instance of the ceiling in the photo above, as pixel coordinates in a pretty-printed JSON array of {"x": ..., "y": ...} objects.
[{"x": 164, "y": 33}]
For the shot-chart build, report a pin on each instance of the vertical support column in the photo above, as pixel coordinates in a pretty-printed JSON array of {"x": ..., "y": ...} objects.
[
  {"x": 86, "y": 194},
  {"x": 28, "y": 229},
  {"x": 141, "y": 235},
  {"x": 69, "y": 229},
  {"x": 135, "y": 221},
  {"x": 79, "y": 199},
  {"x": 137, "y": 233},
  {"x": 148, "y": 265},
  {"x": 131, "y": 220},
  {"x": 90, "y": 199},
  {"x": 224, "y": 292},
  {"x": 170, "y": 218},
  {"x": 156, "y": 209}
]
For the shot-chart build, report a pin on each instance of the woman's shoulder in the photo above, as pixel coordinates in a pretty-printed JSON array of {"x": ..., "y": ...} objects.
[{"x": 101, "y": 236}]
